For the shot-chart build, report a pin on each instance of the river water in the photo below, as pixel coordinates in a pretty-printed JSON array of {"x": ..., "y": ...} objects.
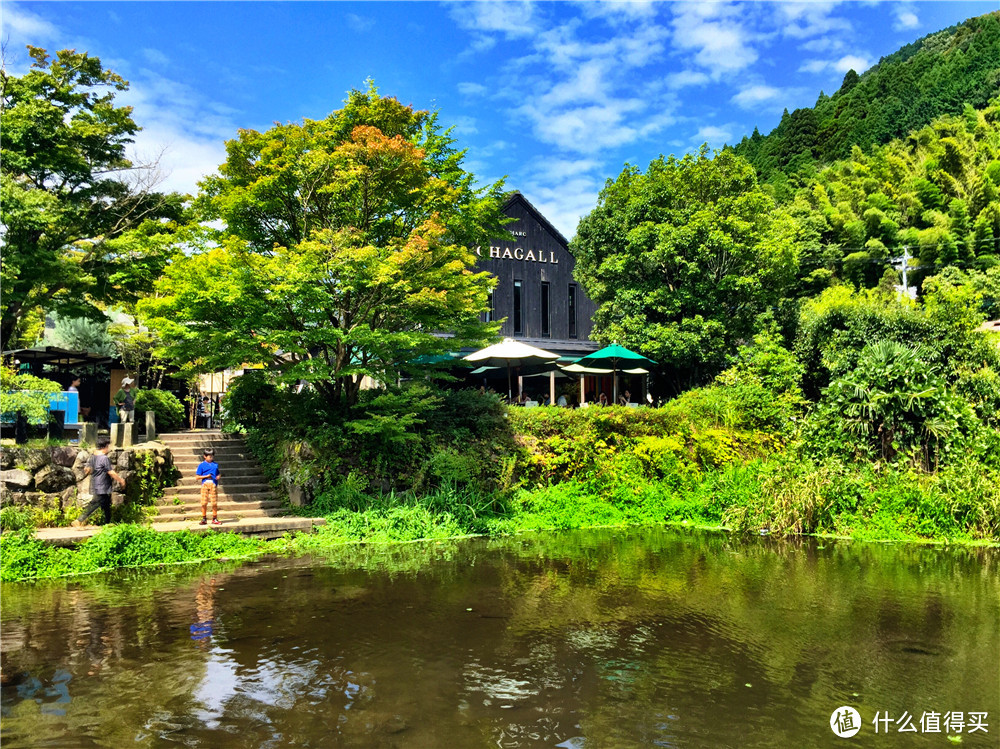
[{"x": 575, "y": 639}]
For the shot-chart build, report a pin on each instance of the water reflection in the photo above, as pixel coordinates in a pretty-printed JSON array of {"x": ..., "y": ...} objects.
[
  {"x": 595, "y": 639},
  {"x": 201, "y": 630}
]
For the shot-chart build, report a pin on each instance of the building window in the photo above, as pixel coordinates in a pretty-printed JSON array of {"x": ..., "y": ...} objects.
[
  {"x": 545, "y": 310},
  {"x": 572, "y": 310},
  {"x": 491, "y": 310},
  {"x": 517, "y": 308}
]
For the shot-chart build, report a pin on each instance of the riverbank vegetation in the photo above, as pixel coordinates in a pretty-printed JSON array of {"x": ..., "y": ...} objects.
[{"x": 799, "y": 388}]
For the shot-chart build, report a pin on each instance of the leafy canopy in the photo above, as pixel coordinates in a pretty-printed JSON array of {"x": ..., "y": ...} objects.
[
  {"x": 69, "y": 196},
  {"x": 682, "y": 259},
  {"x": 346, "y": 253}
]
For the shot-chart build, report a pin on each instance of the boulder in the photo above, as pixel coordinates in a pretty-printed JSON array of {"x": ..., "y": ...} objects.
[
  {"x": 297, "y": 496},
  {"x": 80, "y": 465},
  {"x": 63, "y": 456},
  {"x": 17, "y": 479},
  {"x": 7, "y": 458},
  {"x": 32, "y": 458},
  {"x": 123, "y": 460},
  {"x": 53, "y": 479},
  {"x": 17, "y": 499},
  {"x": 69, "y": 497}
]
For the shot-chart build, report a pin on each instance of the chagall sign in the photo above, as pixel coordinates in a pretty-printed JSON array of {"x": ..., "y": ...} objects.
[{"x": 519, "y": 253}]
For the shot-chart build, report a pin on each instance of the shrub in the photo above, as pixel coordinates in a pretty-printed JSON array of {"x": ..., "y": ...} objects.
[
  {"x": 893, "y": 405},
  {"x": 26, "y": 395},
  {"x": 167, "y": 407},
  {"x": 248, "y": 401},
  {"x": 15, "y": 518}
]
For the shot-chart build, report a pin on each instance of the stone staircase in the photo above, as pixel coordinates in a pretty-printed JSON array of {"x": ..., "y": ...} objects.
[{"x": 243, "y": 491}]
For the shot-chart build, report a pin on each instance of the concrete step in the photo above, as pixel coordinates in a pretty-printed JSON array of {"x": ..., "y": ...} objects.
[
  {"x": 231, "y": 486},
  {"x": 188, "y": 469},
  {"x": 242, "y": 474},
  {"x": 197, "y": 450},
  {"x": 191, "y": 439},
  {"x": 220, "y": 457},
  {"x": 199, "y": 434},
  {"x": 224, "y": 452},
  {"x": 228, "y": 481},
  {"x": 232, "y": 473},
  {"x": 259, "y": 527},
  {"x": 195, "y": 514},
  {"x": 227, "y": 504},
  {"x": 169, "y": 497}
]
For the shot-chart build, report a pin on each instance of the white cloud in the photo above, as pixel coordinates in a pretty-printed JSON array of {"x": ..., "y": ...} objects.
[
  {"x": 585, "y": 129},
  {"x": 29, "y": 26},
  {"x": 180, "y": 128},
  {"x": 814, "y": 66},
  {"x": 751, "y": 97},
  {"x": 618, "y": 12},
  {"x": 465, "y": 125},
  {"x": 155, "y": 57},
  {"x": 906, "y": 17},
  {"x": 715, "y": 36},
  {"x": 576, "y": 87},
  {"x": 848, "y": 62},
  {"x": 803, "y": 20},
  {"x": 686, "y": 78},
  {"x": 359, "y": 24},
  {"x": 716, "y": 136},
  {"x": 824, "y": 44},
  {"x": 467, "y": 88},
  {"x": 513, "y": 19},
  {"x": 563, "y": 197},
  {"x": 852, "y": 62},
  {"x": 563, "y": 168}
]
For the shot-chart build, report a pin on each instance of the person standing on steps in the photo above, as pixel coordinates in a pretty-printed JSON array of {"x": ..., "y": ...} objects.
[
  {"x": 101, "y": 474},
  {"x": 208, "y": 471},
  {"x": 125, "y": 400}
]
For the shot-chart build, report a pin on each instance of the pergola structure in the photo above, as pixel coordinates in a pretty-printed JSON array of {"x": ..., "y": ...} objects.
[{"x": 60, "y": 358}]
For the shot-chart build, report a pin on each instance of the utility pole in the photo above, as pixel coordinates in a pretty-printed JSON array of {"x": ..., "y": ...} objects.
[{"x": 905, "y": 261}]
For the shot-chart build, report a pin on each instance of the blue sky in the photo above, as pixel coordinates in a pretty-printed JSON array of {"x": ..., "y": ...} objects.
[{"x": 556, "y": 96}]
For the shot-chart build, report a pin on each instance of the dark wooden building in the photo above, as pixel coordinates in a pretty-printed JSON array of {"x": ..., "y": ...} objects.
[{"x": 543, "y": 304}]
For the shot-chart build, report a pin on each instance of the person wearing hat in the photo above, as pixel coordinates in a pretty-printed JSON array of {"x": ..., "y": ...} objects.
[{"x": 125, "y": 400}]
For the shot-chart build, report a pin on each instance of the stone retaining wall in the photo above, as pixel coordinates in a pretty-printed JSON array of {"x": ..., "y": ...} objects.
[{"x": 53, "y": 477}]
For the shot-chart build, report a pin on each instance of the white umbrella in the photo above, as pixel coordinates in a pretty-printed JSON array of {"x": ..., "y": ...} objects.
[
  {"x": 578, "y": 369},
  {"x": 510, "y": 353}
]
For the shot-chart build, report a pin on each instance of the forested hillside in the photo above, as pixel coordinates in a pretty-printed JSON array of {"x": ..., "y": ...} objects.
[
  {"x": 937, "y": 75},
  {"x": 933, "y": 195}
]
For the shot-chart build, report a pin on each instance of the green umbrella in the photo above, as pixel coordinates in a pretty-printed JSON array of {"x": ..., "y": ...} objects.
[{"x": 615, "y": 357}]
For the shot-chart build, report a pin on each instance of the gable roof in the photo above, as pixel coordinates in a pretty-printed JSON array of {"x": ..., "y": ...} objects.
[{"x": 516, "y": 196}]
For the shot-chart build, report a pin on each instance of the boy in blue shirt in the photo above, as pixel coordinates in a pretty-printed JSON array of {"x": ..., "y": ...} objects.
[{"x": 208, "y": 470}]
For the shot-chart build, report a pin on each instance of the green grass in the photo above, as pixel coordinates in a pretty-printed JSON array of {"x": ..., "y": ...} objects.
[{"x": 778, "y": 495}]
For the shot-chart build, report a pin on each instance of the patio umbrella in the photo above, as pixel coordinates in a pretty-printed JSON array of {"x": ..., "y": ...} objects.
[
  {"x": 577, "y": 369},
  {"x": 510, "y": 353},
  {"x": 614, "y": 357}
]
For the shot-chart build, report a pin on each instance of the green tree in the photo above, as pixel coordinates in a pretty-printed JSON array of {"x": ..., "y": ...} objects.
[
  {"x": 81, "y": 334},
  {"x": 347, "y": 252},
  {"x": 68, "y": 190},
  {"x": 682, "y": 259}
]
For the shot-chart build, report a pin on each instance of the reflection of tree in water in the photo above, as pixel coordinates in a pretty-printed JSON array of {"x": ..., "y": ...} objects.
[
  {"x": 116, "y": 683},
  {"x": 622, "y": 638},
  {"x": 669, "y": 634}
]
